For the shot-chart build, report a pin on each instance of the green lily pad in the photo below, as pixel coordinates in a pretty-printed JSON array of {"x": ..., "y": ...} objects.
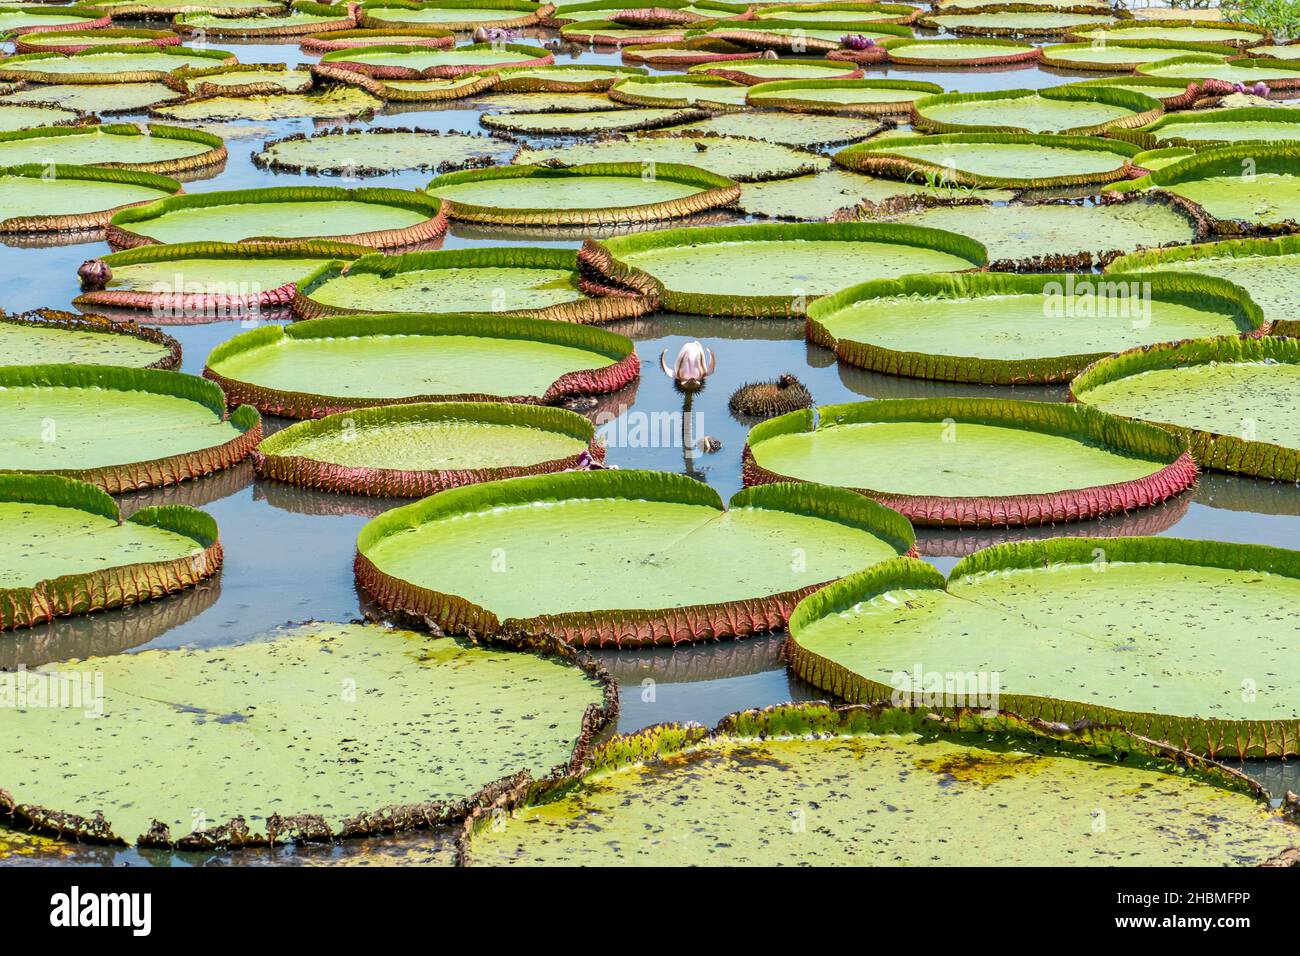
[
  {"x": 450, "y": 14},
  {"x": 702, "y": 271},
  {"x": 303, "y": 18},
  {"x": 563, "y": 78},
  {"x": 993, "y": 328},
  {"x": 68, "y": 551},
  {"x": 102, "y": 99},
  {"x": 845, "y": 97},
  {"x": 788, "y": 129},
  {"x": 62, "y": 338},
  {"x": 819, "y": 196},
  {"x": 1286, "y": 51},
  {"x": 588, "y": 122},
  {"x": 1159, "y": 158},
  {"x": 76, "y": 41},
  {"x": 807, "y": 785},
  {"x": 994, "y": 159},
  {"x": 743, "y": 160},
  {"x": 703, "y": 49},
  {"x": 119, "y": 428},
  {"x": 210, "y": 281},
  {"x": 410, "y": 451},
  {"x": 760, "y": 70},
  {"x": 1050, "y": 236},
  {"x": 1122, "y": 54},
  {"x": 236, "y": 80},
  {"x": 1206, "y": 127},
  {"x": 1070, "y": 110},
  {"x": 307, "y": 759},
  {"x": 329, "y": 365},
  {"x": 167, "y": 9},
  {"x": 799, "y": 37},
  {"x": 74, "y": 197},
  {"x": 609, "y": 33},
  {"x": 679, "y": 92},
  {"x": 109, "y": 64},
  {"x": 1173, "y": 93},
  {"x": 15, "y": 116},
  {"x": 341, "y": 39},
  {"x": 592, "y": 566},
  {"x": 373, "y": 217},
  {"x": 1268, "y": 269},
  {"x": 495, "y": 102},
  {"x": 1053, "y": 615},
  {"x": 18, "y": 20},
  {"x": 1186, "y": 31},
  {"x": 149, "y": 149},
  {"x": 943, "y": 461},
  {"x": 1237, "y": 401},
  {"x": 339, "y": 102},
  {"x": 960, "y": 52},
  {"x": 420, "y": 62},
  {"x": 1278, "y": 74},
  {"x": 524, "y": 280},
  {"x": 380, "y": 150},
  {"x": 581, "y": 195},
  {"x": 1013, "y": 23},
  {"x": 844, "y": 12}
]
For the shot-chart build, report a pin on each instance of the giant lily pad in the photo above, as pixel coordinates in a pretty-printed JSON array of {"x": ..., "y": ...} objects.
[
  {"x": 67, "y": 550},
  {"x": 1072, "y": 110},
  {"x": 1122, "y": 54},
  {"x": 381, "y": 150},
  {"x": 524, "y": 280},
  {"x": 77, "y": 41},
  {"x": 330, "y": 365},
  {"x": 1012, "y": 23},
  {"x": 704, "y": 271},
  {"x": 800, "y": 37},
  {"x": 619, "y": 557},
  {"x": 808, "y": 785},
  {"x": 304, "y": 17},
  {"x": 1059, "y": 236},
  {"x": 335, "y": 103},
  {"x": 1175, "y": 94},
  {"x": 563, "y": 78},
  {"x": 382, "y": 218},
  {"x": 1268, "y": 269},
  {"x": 744, "y": 160},
  {"x": 452, "y": 14},
  {"x": 753, "y": 72},
  {"x": 409, "y": 451},
  {"x": 209, "y": 281},
  {"x": 15, "y": 21},
  {"x": 702, "y": 49},
  {"x": 588, "y": 122},
  {"x": 1237, "y": 401},
  {"x": 679, "y": 92},
  {"x": 1052, "y": 615},
  {"x": 96, "y": 98},
  {"x": 1213, "y": 127},
  {"x": 119, "y": 428},
  {"x": 994, "y": 159},
  {"x": 1009, "y": 329},
  {"x": 1277, "y": 74},
  {"x": 302, "y": 758},
  {"x": 610, "y": 33},
  {"x": 865, "y": 97},
  {"x": 1201, "y": 32},
  {"x": 948, "y": 461},
  {"x": 167, "y": 9},
  {"x": 581, "y": 195},
  {"x": 789, "y": 129},
  {"x": 962, "y": 52},
  {"x": 406, "y": 62},
  {"x": 39, "y": 198},
  {"x": 434, "y": 89},
  {"x": 147, "y": 149},
  {"x": 246, "y": 79},
  {"x": 1242, "y": 188},
  {"x": 109, "y": 64},
  {"x": 62, "y": 338},
  {"x": 391, "y": 36},
  {"x": 839, "y": 11}
]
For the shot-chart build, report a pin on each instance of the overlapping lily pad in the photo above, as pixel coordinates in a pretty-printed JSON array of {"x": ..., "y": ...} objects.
[
  {"x": 452, "y": 14},
  {"x": 67, "y": 339},
  {"x": 119, "y": 428},
  {"x": 407, "y": 62},
  {"x": 744, "y": 160},
  {"x": 510, "y": 280},
  {"x": 836, "y": 11},
  {"x": 822, "y": 195},
  {"x": 704, "y": 271},
  {"x": 790, "y": 129},
  {"x": 960, "y": 52},
  {"x": 166, "y": 9},
  {"x": 598, "y": 193},
  {"x": 73, "y": 198},
  {"x": 679, "y": 92},
  {"x": 341, "y": 102},
  {"x": 753, "y": 72},
  {"x": 303, "y": 17},
  {"x": 101, "y": 98},
  {"x": 563, "y": 78},
  {"x": 16, "y": 21},
  {"x": 388, "y": 36},
  {"x": 245, "y": 79},
  {"x": 623, "y": 558},
  {"x": 1051, "y": 616},
  {"x": 1204, "y": 32},
  {"x": 472, "y": 716},
  {"x": 381, "y": 150},
  {"x": 611, "y": 33},
  {"x": 208, "y": 281},
  {"x": 998, "y": 329},
  {"x": 410, "y": 451},
  {"x": 975, "y": 462},
  {"x": 1122, "y": 54},
  {"x": 589, "y": 122},
  {"x": 814, "y": 786},
  {"x": 76, "y": 41},
  {"x": 109, "y": 64},
  {"x": 382, "y": 218},
  {"x": 314, "y": 369},
  {"x": 1236, "y": 400},
  {"x": 1013, "y": 160},
  {"x": 800, "y": 37},
  {"x": 16, "y": 116},
  {"x": 148, "y": 149},
  {"x": 1175, "y": 94},
  {"x": 67, "y": 550},
  {"x": 701, "y": 49},
  {"x": 865, "y": 97},
  {"x": 1277, "y": 74},
  {"x": 1070, "y": 110},
  {"x": 1011, "y": 22},
  {"x": 1214, "y": 127}
]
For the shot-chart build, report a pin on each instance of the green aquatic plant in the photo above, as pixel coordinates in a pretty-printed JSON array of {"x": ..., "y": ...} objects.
[
  {"x": 64, "y": 338},
  {"x": 38, "y": 198}
]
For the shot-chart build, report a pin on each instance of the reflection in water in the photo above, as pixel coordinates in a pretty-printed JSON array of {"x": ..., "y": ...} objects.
[
  {"x": 306, "y": 501},
  {"x": 1239, "y": 493},
  {"x": 196, "y": 493}
]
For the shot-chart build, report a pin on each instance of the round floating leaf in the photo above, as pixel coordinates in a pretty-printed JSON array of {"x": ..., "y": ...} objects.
[
  {"x": 429, "y": 90},
  {"x": 1122, "y": 54},
  {"x": 679, "y": 92},
  {"x": 166, "y": 9},
  {"x": 246, "y": 79},
  {"x": 381, "y": 150},
  {"x": 109, "y": 64},
  {"x": 588, "y": 123},
  {"x": 1237, "y": 401},
  {"x": 1277, "y": 74},
  {"x": 301, "y": 760},
  {"x": 303, "y": 18},
  {"x": 406, "y": 62},
  {"x": 67, "y": 550},
  {"x": 1058, "y": 236},
  {"x": 701, "y": 49},
  {"x": 1156, "y": 158},
  {"x": 381, "y": 218},
  {"x": 1052, "y": 615},
  {"x": 610, "y": 33},
  {"x": 1070, "y": 110},
  {"x": 76, "y": 41},
  {"x": 210, "y": 281},
  {"x": 411, "y": 451},
  {"x": 66, "y": 339},
  {"x": 703, "y": 271},
  {"x": 15, "y": 21},
  {"x": 1174, "y": 94},
  {"x": 1199, "y": 32},
  {"x": 997, "y": 329},
  {"x": 944, "y": 461},
  {"x": 837, "y": 11},
  {"x": 452, "y": 14},
  {"x": 317, "y": 368},
  {"x": 753, "y": 72},
  {"x": 147, "y": 149},
  {"x": 1285, "y": 51},
  {"x": 976, "y": 791},
  {"x": 789, "y": 129},
  {"x": 525, "y": 280},
  {"x": 1213, "y": 127},
  {"x": 743, "y": 160},
  {"x": 102, "y": 98},
  {"x": 963, "y": 52},
  {"x": 845, "y": 97},
  {"x": 821, "y": 196},
  {"x": 563, "y": 78},
  {"x": 1024, "y": 161},
  {"x": 794, "y": 35},
  {"x": 992, "y": 22},
  {"x": 619, "y": 557},
  {"x": 119, "y": 428},
  {"x": 496, "y": 102},
  {"x": 391, "y": 36},
  {"x": 335, "y": 103},
  {"x": 630, "y": 12},
  {"x": 74, "y": 198},
  {"x": 600, "y": 193}
]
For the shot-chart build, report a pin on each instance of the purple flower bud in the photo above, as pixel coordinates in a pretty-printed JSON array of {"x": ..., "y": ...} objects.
[
  {"x": 856, "y": 41},
  {"x": 1260, "y": 89},
  {"x": 1239, "y": 87}
]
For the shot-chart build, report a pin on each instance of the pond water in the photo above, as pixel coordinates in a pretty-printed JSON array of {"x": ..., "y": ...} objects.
[{"x": 289, "y": 551}]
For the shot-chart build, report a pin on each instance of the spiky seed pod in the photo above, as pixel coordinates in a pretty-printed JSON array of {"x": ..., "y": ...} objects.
[{"x": 767, "y": 399}]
